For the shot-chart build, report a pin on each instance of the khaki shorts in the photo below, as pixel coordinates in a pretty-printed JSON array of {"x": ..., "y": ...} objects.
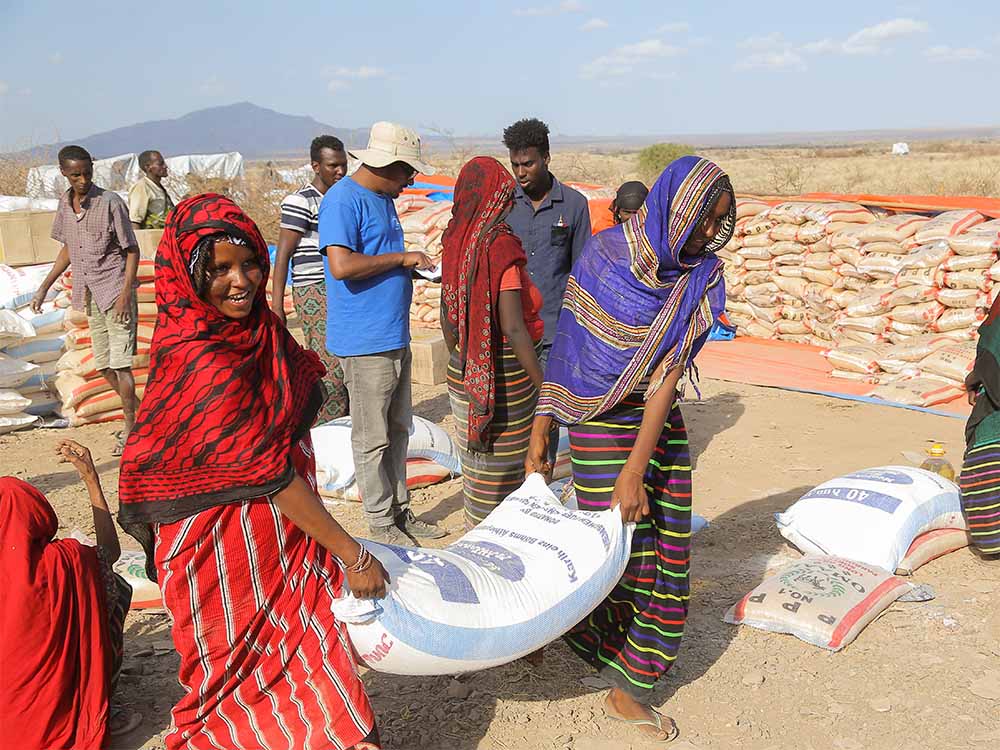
[{"x": 113, "y": 344}]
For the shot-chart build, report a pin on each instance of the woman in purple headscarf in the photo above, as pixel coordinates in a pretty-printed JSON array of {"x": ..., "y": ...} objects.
[{"x": 638, "y": 308}]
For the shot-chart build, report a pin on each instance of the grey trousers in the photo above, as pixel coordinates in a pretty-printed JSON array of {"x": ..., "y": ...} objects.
[{"x": 381, "y": 413}]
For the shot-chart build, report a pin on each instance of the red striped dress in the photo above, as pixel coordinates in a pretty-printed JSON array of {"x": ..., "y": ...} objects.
[{"x": 263, "y": 661}]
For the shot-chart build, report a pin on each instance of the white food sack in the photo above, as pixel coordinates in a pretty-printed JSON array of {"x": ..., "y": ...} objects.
[
  {"x": 335, "y": 459},
  {"x": 872, "y": 516},
  {"x": 527, "y": 574}
]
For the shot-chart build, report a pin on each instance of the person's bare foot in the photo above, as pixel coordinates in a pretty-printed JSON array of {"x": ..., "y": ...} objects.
[{"x": 620, "y": 706}]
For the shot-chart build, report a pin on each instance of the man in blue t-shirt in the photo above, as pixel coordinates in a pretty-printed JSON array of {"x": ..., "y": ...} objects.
[{"x": 369, "y": 281}]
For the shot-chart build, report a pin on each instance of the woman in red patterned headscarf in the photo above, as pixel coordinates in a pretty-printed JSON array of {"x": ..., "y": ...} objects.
[
  {"x": 490, "y": 313},
  {"x": 217, "y": 483}
]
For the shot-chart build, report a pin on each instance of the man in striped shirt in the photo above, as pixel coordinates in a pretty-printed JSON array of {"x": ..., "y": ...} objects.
[{"x": 298, "y": 241}]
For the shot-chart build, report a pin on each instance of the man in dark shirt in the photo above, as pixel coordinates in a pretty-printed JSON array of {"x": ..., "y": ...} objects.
[{"x": 551, "y": 219}]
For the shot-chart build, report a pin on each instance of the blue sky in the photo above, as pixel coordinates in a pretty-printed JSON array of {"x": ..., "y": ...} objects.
[{"x": 586, "y": 67}]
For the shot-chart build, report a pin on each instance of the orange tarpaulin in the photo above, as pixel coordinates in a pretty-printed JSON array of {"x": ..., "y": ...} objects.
[{"x": 795, "y": 367}]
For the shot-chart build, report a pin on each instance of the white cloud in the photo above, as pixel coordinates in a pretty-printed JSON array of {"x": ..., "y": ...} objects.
[
  {"x": 765, "y": 43},
  {"x": 567, "y": 6},
  {"x": 361, "y": 73},
  {"x": 623, "y": 60},
  {"x": 944, "y": 54},
  {"x": 869, "y": 40},
  {"x": 678, "y": 27},
  {"x": 4, "y": 87},
  {"x": 780, "y": 60},
  {"x": 822, "y": 47},
  {"x": 770, "y": 52},
  {"x": 56, "y": 58},
  {"x": 341, "y": 77},
  {"x": 594, "y": 24}
]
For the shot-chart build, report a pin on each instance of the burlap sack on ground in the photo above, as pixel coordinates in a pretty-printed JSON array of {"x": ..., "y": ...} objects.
[{"x": 825, "y": 601}]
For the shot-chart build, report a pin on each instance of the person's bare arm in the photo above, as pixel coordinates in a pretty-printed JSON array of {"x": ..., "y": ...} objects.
[
  {"x": 123, "y": 307},
  {"x": 346, "y": 265},
  {"x": 630, "y": 491},
  {"x": 104, "y": 526},
  {"x": 58, "y": 269},
  {"x": 288, "y": 242},
  {"x": 513, "y": 327},
  {"x": 301, "y": 505},
  {"x": 538, "y": 447}
]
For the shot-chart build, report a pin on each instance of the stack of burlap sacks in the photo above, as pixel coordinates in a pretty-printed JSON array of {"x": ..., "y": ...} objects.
[
  {"x": 424, "y": 221},
  {"x": 896, "y": 300},
  {"x": 86, "y": 396}
]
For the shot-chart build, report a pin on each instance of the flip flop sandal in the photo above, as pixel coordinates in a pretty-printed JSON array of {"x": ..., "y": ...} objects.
[
  {"x": 656, "y": 722},
  {"x": 127, "y": 721}
]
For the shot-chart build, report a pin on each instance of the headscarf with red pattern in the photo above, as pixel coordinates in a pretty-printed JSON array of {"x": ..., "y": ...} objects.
[
  {"x": 478, "y": 247},
  {"x": 225, "y": 398}
]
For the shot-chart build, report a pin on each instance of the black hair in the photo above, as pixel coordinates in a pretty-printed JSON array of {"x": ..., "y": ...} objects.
[
  {"x": 201, "y": 258},
  {"x": 631, "y": 195},
  {"x": 527, "y": 133},
  {"x": 146, "y": 158},
  {"x": 73, "y": 153},
  {"x": 320, "y": 142}
]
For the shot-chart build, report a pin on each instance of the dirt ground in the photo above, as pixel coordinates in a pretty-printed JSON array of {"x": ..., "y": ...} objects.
[{"x": 921, "y": 676}]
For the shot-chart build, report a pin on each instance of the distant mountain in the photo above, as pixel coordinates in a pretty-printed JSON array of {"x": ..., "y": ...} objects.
[{"x": 256, "y": 132}]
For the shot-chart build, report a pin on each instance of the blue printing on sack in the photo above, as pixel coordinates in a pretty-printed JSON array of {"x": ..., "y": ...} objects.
[
  {"x": 484, "y": 644},
  {"x": 876, "y": 500}
]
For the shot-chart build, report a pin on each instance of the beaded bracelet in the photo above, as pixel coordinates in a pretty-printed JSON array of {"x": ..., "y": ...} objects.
[{"x": 363, "y": 562}]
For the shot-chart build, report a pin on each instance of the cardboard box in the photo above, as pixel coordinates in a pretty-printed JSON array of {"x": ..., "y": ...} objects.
[
  {"x": 25, "y": 240},
  {"x": 430, "y": 356}
]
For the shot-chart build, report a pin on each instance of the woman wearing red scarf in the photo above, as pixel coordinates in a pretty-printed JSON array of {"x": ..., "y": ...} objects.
[
  {"x": 217, "y": 483},
  {"x": 490, "y": 311},
  {"x": 62, "y": 621}
]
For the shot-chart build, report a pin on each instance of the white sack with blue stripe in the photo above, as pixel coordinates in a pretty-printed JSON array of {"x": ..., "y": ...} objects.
[
  {"x": 872, "y": 516},
  {"x": 527, "y": 574}
]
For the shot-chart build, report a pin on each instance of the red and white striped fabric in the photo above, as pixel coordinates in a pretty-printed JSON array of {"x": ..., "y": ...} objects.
[{"x": 264, "y": 663}]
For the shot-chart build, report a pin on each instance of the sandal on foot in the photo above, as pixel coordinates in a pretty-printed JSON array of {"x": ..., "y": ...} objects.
[
  {"x": 122, "y": 722},
  {"x": 656, "y": 723}
]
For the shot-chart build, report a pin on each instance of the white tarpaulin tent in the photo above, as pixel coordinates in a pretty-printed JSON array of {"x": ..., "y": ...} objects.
[
  {"x": 20, "y": 203},
  {"x": 900, "y": 149},
  {"x": 119, "y": 173}
]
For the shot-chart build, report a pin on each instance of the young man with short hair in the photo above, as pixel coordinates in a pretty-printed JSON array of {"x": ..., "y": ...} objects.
[
  {"x": 369, "y": 281},
  {"x": 97, "y": 240},
  {"x": 148, "y": 200},
  {"x": 552, "y": 221},
  {"x": 298, "y": 241}
]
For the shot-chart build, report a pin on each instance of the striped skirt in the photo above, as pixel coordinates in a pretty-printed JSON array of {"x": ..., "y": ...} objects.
[
  {"x": 310, "y": 306},
  {"x": 264, "y": 664},
  {"x": 980, "y": 484},
  {"x": 632, "y": 638},
  {"x": 488, "y": 478}
]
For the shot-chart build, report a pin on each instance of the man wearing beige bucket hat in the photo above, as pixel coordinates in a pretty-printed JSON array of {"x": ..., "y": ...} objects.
[{"x": 369, "y": 290}]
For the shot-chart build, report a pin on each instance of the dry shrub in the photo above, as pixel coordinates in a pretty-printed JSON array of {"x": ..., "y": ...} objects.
[
  {"x": 14, "y": 174},
  {"x": 259, "y": 193}
]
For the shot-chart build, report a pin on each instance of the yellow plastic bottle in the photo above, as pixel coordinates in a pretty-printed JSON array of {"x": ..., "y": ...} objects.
[{"x": 937, "y": 463}]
